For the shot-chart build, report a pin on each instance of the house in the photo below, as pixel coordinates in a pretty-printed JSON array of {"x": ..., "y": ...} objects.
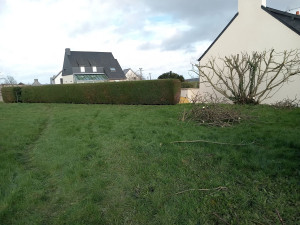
[
  {"x": 131, "y": 75},
  {"x": 88, "y": 67},
  {"x": 36, "y": 83},
  {"x": 256, "y": 27}
]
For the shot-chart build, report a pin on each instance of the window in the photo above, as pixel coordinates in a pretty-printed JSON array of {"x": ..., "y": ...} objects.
[
  {"x": 82, "y": 69},
  {"x": 94, "y": 69},
  {"x": 112, "y": 69}
]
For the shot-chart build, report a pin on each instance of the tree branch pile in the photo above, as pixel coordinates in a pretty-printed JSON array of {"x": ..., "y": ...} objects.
[{"x": 214, "y": 115}]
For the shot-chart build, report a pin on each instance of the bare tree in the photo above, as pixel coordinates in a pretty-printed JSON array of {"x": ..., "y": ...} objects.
[
  {"x": 250, "y": 78},
  {"x": 10, "y": 80}
]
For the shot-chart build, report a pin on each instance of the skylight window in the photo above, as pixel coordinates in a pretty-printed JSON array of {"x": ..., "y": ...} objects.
[
  {"x": 94, "y": 69},
  {"x": 82, "y": 69},
  {"x": 112, "y": 69}
]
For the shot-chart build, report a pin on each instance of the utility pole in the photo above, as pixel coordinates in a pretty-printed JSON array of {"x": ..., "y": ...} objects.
[{"x": 141, "y": 72}]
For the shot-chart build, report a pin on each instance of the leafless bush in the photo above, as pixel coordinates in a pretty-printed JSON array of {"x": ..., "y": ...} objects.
[
  {"x": 287, "y": 104},
  {"x": 213, "y": 115},
  {"x": 250, "y": 78},
  {"x": 208, "y": 98}
]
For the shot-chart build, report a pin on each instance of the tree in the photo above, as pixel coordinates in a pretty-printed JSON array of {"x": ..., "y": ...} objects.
[
  {"x": 250, "y": 78},
  {"x": 171, "y": 75}
]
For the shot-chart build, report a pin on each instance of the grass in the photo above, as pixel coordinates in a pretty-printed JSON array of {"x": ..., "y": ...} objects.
[{"x": 110, "y": 164}]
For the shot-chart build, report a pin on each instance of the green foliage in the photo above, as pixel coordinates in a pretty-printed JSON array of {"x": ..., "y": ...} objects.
[
  {"x": 156, "y": 92},
  {"x": 193, "y": 84},
  {"x": 114, "y": 164},
  {"x": 11, "y": 94},
  {"x": 171, "y": 75}
]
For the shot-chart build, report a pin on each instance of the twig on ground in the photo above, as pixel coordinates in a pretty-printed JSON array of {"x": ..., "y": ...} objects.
[
  {"x": 220, "y": 218},
  {"x": 211, "y": 142},
  {"x": 203, "y": 189},
  {"x": 183, "y": 115},
  {"x": 281, "y": 220},
  {"x": 257, "y": 222}
]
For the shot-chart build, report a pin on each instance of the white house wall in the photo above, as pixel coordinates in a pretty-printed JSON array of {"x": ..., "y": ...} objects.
[
  {"x": 68, "y": 79},
  {"x": 256, "y": 30},
  {"x": 57, "y": 79}
]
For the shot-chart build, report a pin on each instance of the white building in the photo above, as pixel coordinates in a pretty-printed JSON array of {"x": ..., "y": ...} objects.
[
  {"x": 131, "y": 75},
  {"x": 257, "y": 27}
]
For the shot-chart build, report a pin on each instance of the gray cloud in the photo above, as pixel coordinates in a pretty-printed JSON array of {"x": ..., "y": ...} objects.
[
  {"x": 148, "y": 46},
  {"x": 206, "y": 18}
]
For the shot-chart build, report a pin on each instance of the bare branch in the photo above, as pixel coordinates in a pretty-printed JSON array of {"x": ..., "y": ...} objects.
[
  {"x": 250, "y": 78},
  {"x": 202, "y": 189}
]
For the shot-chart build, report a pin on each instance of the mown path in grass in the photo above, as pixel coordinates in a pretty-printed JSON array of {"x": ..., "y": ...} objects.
[{"x": 108, "y": 164}]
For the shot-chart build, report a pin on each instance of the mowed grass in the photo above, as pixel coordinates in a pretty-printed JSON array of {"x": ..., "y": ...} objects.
[{"x": 110, "y": 164}]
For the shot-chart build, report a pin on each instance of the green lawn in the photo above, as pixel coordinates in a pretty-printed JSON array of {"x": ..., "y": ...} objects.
[{"x": 109, "y": 164}]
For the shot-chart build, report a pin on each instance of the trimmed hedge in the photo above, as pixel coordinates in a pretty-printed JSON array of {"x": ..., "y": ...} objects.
[
  {"x": 156, "y": 92},
  {"x": 11, "y": 94}
]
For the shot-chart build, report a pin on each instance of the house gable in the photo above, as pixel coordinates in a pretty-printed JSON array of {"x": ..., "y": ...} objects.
[
  {"x": 257, "y": 28},
  {"x": 131, "y": 75}
]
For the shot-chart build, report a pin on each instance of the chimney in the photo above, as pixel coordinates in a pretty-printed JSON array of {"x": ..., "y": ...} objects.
[
  {"x": 297, "y": 13},
  {"x": 250, "y": 6},
  {"x": 68, "y": 51}
]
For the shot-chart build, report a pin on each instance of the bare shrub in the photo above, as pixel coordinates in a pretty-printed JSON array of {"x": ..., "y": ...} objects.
[
  {"x": 208, "y": 98},
  {"x": 287, "y": 104}
]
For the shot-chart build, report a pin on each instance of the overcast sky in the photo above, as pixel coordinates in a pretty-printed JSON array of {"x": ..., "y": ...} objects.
[{"x": 156, "y": 35}]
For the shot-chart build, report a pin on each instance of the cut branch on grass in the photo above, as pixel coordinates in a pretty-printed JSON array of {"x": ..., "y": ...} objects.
[
  {"x": 202, "y": 189},
  {"x": 220, "y": 218},
  {"x": 279, "y": 217},
  {"x": 212, "y": 142}
]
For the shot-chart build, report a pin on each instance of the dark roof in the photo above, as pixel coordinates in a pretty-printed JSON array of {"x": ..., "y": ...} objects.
[
  {"x": 218, "y": 36},
  {"x": 290, "y": 20},
  {"x": 103, "y": 61}
]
